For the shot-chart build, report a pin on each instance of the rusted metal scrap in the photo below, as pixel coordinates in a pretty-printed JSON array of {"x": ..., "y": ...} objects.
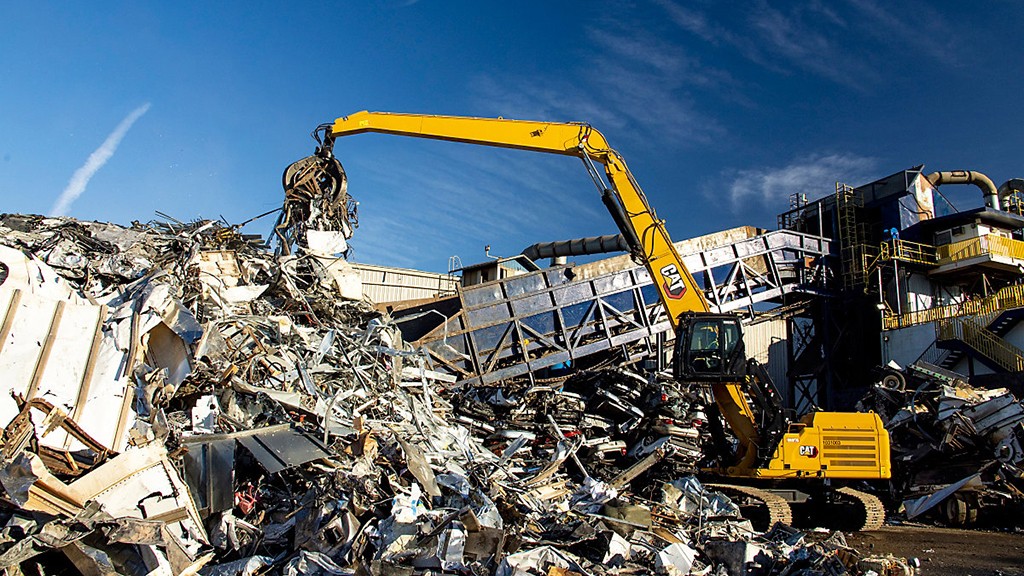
[{"x": 958, "y": 450}]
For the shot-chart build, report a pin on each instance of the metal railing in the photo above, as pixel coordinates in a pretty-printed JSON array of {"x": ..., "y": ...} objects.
[
  {"x": 980, "y": 246},
  {"x": 909, "y": 252},
  {"x": 982, "y": 340},
  {"x": 1005, "y": 299},
  {"x": 933, "y": 355},
  {"x": 902, "y": 250},
  {"x": 1006, "y": 247}
]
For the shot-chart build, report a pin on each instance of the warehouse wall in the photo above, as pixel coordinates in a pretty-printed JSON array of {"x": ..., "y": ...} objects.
[
  {"x": 384, "y": 284},
  {"x": 905, "y": 346}
]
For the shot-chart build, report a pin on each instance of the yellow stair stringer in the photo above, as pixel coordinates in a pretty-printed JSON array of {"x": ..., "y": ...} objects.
[{"x": 983, "y": 341}]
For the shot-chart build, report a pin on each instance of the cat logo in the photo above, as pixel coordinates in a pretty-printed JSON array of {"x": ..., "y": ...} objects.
[
  {"x": 809, "y": 451},
  {"x": 674, "y": 286}
]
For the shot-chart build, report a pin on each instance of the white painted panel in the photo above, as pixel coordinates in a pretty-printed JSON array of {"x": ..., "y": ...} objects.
[
  {"x": 766, "y": 343},
  {"x": 21, "y": 350}
]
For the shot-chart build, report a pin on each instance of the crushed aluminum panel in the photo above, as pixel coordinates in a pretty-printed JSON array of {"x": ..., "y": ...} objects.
[
  {"x": 917, "y": 506},
  {"x": 142, "y": 483},
  {"x": 219, "y": 269},
  {"x": 57, "y": 350},
  {"x": 997, "y": 414},
  {"x": 343, "y": 278},
  {"x": 139, "y": 483},
  {"x": 282, "y": 449},
  {"x": 164, "y": 348}
]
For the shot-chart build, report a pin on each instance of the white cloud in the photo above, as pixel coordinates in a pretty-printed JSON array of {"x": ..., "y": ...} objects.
[
  {"x": 814, "y": 176},
  {"x": 99, "y": 157},
  {"x": 817, "y": 37}
]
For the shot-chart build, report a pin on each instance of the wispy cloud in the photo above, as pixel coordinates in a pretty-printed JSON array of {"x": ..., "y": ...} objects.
[
  {"x": 805, "y": 40},
  {"x": 631, "y": 84},
  {"x": 704, "y": 27},
  {"x": 818, "y": 37},
  {"x": 650, "y": 82},
  {"x": 99, "y": 157},
  {"x": 480, "y": 192},
  {"x": 929, "y": 34},
  {"x": 771, "y": 188}
]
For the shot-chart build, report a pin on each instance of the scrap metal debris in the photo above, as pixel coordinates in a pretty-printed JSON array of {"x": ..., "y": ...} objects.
[
  {"x": 180, "y": 400},
  {"x": 957, "y": 450},
  {"x": 317, "y": 207}
]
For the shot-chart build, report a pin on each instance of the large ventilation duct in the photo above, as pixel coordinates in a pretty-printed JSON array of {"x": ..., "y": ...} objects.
[
  {"x": 1009, "y": 187},
  {"x": 577, "y": 247},
  {"x": 988, "y": 188}
]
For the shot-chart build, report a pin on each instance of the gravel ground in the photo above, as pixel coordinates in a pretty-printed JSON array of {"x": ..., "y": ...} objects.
[{"x": 947, "y": 551}]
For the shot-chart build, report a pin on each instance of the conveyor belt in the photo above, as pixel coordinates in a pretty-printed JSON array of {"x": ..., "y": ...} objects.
[{"x": 521, "y": 325}]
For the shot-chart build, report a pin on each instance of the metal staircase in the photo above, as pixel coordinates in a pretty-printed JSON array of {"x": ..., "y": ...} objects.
[{"x": 969, "y": 336}]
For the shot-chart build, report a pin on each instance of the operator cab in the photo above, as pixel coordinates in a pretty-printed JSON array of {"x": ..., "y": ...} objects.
[{"x": 708, "y": 348}]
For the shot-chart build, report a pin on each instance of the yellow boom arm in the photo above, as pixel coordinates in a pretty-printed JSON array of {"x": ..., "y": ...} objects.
[{"x": 644, "y": 232}]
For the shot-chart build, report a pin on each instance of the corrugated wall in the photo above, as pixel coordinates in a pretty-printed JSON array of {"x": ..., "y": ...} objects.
[
  {"x": 383, "y": 284},
  {"x": 766, "y": 343}
]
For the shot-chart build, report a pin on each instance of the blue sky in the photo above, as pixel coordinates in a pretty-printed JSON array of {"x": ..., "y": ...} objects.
[{"x": 722, "y": 112}]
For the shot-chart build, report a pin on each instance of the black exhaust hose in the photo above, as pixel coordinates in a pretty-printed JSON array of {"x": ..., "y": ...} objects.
[{"x": 622, "y": 221}]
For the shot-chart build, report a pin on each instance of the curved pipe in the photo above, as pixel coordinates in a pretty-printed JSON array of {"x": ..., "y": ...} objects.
[
  {"x": 988, "y": 188},
  {"x": 577, "y": 247},
  {"x": 1009, "y": 187}
]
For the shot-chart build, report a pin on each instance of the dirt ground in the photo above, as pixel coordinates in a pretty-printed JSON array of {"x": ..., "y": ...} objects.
[{"x": 947, "y": 551}]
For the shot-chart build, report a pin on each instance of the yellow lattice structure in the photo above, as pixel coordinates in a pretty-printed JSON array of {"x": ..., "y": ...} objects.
[{"x": 851, "y": 237}]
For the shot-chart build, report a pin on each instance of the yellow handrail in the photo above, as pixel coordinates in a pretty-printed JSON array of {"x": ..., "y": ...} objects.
[
  {"x": 984, "y": 341},
  {"x": 1005, "y": 299},
  {"x": 913, "y": 252},
  {"x": 899, "y": 250},
  {"x": 974, "y": 247},
  {"x": 1006, "y": 247}
]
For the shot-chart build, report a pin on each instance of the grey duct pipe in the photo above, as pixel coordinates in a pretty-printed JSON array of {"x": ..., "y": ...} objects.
[
  {"x": 988, "y": 188},
  {"x": 577, "y": 247},
  {"x": 1009, "y": 187}
]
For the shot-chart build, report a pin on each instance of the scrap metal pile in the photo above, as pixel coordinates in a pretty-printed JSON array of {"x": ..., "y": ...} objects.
[
  {"x": 957, "y": 450},
  {"x": 178, "y": 400}
]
